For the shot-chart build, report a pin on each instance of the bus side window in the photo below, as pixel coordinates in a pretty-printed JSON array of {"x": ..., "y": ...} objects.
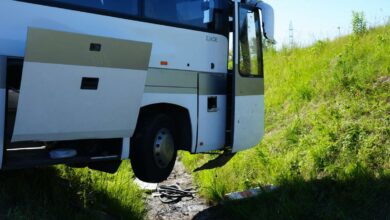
[
  {"x": 176, "y": 11},
  {"x": 121, "y": 6},
  {"x": 161, "y": 10},
  {"x": 126, "y": 7}
]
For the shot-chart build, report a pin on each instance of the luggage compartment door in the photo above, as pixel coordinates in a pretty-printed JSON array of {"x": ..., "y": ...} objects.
[{"x": 77, "y": 86}]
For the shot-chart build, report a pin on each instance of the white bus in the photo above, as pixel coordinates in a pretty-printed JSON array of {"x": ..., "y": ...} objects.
[{"x": 89, "y": 83}]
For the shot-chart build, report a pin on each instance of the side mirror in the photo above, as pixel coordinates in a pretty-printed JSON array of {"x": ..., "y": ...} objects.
[{"x": 268, "y": 19}]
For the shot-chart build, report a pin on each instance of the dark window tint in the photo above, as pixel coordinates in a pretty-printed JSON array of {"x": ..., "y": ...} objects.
[
  {"x": 250, "y": 43},
  {"x": 187, "y": 12},
  {"x": 207, "y": 15},
  {"x": 127, "y": 7}
]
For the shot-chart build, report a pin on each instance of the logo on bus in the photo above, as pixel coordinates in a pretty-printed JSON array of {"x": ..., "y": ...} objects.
[{"x": 211, "y": 38}]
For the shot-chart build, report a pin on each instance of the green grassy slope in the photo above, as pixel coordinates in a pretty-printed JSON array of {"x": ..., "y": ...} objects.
[
  {"x": 67, "y": 193},
  {"x": 327, "y": 125}
]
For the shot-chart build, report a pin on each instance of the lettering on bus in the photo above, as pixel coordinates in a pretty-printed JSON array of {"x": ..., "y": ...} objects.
[{"x": 211, "y": 38}]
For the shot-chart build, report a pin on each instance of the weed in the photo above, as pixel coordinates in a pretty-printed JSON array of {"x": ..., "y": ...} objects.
[
  {"x": 327, "y": 125},
  {"x": 68, "y": 193}
]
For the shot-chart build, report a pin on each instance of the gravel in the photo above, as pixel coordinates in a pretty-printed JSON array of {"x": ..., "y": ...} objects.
[{"x": 187, "y": 208}]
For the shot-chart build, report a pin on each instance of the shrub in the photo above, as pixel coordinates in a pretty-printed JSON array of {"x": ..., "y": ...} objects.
[{"x": 359, "y": 23}]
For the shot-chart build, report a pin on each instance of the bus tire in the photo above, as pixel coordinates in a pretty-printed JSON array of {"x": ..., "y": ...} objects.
[{"x": 153, "y": 151}]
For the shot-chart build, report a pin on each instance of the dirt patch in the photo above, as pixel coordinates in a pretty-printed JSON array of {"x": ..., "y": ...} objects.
[{"x": 187, "y": 208}]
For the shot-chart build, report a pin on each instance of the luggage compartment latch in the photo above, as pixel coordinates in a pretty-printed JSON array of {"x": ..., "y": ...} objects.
[
  {"x": 89, "y": 83},
  {"x": 95, "y": 47}
]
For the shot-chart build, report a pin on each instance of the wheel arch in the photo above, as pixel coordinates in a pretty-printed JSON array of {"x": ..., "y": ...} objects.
[{"x": 181, "y": 118}]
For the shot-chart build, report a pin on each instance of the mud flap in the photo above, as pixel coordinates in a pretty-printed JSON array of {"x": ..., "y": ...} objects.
[{"x": 77, "y": 86}]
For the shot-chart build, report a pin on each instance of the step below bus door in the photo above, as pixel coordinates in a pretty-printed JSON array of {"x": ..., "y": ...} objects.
[
  {"x": 248, "y": 82},
  {"x": 77, "y": 86}
]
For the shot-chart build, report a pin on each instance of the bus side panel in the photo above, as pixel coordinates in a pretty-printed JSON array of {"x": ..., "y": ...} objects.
[
  {"x": 212, "y": 112},
  {"x": 180, "y": 48},
  {"x": 177, "y": 87}
]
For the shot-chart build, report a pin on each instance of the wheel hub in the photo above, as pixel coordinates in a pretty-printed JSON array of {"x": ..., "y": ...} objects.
[{"x": 164, "y": 148}]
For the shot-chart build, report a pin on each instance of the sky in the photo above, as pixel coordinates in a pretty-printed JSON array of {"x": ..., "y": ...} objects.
[{"x": 314, "y": 20}]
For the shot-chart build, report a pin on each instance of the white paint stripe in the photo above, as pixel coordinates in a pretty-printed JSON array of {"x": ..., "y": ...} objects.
[
  {"x": 125, "y": 149},
  {"x": 27, "y": 148}
]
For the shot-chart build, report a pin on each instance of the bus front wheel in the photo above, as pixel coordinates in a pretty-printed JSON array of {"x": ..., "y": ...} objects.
[{"x": 153, "y": 151}]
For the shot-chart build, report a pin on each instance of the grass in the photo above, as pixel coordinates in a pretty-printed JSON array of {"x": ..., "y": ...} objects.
[
  {"x": 327, "y": 124},
  {"x": 61, "y": 192},
  {"x": 326, "y": 146},
  {"x": 317, "y": 199}
]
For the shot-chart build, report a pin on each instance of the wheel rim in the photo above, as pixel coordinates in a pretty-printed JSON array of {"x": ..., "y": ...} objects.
[{"x": 164, "y": 148}]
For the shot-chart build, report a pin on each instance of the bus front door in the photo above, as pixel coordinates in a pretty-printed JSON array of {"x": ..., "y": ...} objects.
[{"x": 248, "y": 81}]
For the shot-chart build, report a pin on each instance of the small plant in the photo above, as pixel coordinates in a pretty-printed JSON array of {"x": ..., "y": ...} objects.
[{"x": 359, "y": 23}]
